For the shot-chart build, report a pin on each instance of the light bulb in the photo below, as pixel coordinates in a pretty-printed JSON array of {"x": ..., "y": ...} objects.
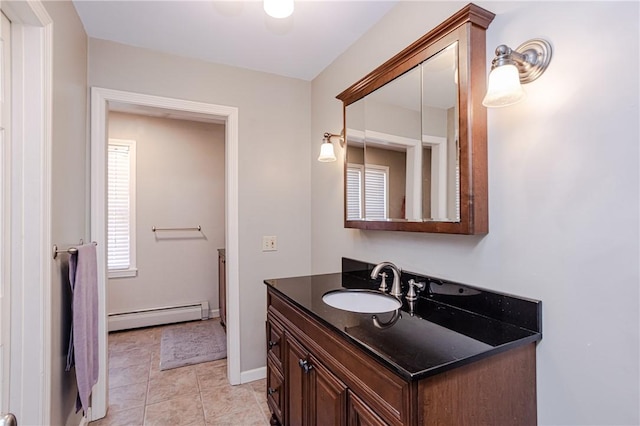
[
  {"x": 504, "y": 87},
  {"x": 278, "y": 8}
]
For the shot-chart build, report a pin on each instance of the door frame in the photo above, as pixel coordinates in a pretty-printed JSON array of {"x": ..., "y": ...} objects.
[
  {"x": 100, "y": 99},
  {"x": 29, "y": 255}
]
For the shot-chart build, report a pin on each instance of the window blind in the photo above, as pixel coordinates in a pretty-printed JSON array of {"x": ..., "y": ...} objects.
[
  {"x": 375, "y": 190},
  {"x": 354, "y": 191},
  {"x": 119, "y": 207}
]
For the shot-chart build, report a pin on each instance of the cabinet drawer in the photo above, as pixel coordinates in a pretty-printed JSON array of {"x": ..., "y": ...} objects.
[
  {"x": 275, "y": 336},
  {"x": 275, "y": 390}
]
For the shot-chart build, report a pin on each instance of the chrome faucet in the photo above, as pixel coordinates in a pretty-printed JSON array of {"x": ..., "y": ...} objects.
[{"x": 396, "y": 288}]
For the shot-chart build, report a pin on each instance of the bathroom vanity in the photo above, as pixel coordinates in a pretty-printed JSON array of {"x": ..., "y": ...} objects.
[{"x": 457, "y": 355}]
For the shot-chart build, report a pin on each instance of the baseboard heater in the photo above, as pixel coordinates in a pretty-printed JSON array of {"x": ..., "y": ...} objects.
[{"x": 158, "y": 316}]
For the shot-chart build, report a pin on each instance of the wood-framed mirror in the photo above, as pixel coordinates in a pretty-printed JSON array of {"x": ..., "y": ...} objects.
[{"x": 416, "y": 134}]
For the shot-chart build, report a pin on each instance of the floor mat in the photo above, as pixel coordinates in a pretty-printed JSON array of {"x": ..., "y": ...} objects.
[{"x": 192, "y": 343}]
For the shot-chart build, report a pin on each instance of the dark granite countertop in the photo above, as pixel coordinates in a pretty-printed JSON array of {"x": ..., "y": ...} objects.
[{"x": 431, "y": 338}]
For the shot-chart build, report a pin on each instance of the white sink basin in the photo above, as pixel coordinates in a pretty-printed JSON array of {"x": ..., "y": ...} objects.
[{"x": 363, "y": 301}]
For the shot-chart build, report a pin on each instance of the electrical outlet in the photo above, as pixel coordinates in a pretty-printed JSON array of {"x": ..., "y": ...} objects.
[{"x": 269, "y": 243}]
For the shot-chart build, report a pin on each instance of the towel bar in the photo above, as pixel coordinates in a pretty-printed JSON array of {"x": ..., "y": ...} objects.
[
  {"x": 198, "y": 228},
  {"x": 70, "y": 250}
]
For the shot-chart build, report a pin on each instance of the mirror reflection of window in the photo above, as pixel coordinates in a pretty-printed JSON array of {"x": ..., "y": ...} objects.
[
  {"x": 376, "y": 190},
  {"x": 410, "y": 126},
  {"x": 369, "y": 191},
  {"x": 354, "y": 192}
]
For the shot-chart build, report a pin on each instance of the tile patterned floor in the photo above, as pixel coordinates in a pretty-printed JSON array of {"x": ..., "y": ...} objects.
[{"x": 198, "y": 395}]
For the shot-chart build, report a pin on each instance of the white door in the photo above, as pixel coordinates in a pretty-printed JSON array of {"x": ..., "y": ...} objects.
[{"x": 5, "y": 119}]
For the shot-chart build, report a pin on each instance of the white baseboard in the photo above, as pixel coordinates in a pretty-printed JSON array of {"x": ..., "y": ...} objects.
[
  {"x": 253, "y": 375},
  {"x": 214, "y": 313},
  {"x": 158, "y": 316}
]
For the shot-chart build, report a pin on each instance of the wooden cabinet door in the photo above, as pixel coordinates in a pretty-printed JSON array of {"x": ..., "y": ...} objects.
[
  {"x": 360, "y": 414},
  {"x": 314, "y": 396},
  {"x": 327, "y": 397},
  {"x": 296, "y": 382}
]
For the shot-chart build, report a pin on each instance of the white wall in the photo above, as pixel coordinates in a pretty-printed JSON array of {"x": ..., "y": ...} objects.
[
  {"x": 274, "y": 175},
  {"x": 69, "y": 197},
  {"x": 563, "y": 195},
  {"x": 180, "y": 183}
]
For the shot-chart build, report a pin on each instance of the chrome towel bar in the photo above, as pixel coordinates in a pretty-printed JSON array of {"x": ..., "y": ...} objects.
[
  {"x": 198, "y": 228},
  {"x": 70, "y": 250}
]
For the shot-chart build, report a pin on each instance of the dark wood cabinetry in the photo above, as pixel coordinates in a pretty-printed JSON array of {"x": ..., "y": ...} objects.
[
  {"x": 222, "y": 286},
  {"x": 313, "y": 395},
  {"x": 317, "y": 377},
  {"x": 360, "y": 414},
  {"x": 327, "y": 396}
]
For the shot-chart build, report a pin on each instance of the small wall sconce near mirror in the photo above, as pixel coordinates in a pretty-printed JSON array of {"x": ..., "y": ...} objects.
[
  {"x": 511, "y": 67},
  {"x": 326, "y": 149},
  {"x": 278, "y": 8}
]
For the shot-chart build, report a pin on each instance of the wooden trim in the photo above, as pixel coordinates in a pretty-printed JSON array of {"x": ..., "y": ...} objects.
[{"x": 414, "y": 53}]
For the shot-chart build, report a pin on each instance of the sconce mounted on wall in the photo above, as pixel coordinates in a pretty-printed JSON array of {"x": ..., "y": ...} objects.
[
  {"x": 326, "y": 149},
  {"x": 511, "y": 67}
]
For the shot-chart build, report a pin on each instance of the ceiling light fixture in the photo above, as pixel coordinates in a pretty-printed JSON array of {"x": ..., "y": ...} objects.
[
  {"x": 510, "y": 68},
  {"x": 278, "y": 8},
  {"x": 326, "y": 149}
]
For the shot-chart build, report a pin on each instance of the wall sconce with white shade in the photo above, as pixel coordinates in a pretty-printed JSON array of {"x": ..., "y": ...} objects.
[
  {"x": 511, "y": 68},
  {"x": 278, "y": 8},
  {"x": 326, "y": 149}
]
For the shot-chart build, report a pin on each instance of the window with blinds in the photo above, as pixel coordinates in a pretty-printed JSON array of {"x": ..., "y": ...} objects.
[
  {"x": 354, "y": 192},
  {"x": 121, "y": 208},
  {"x": 372, "y": 193},
  {"x": 376, "y": 191}
]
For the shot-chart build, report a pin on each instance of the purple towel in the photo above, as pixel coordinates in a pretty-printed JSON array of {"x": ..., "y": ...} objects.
[{"x": 83, "y": 277}]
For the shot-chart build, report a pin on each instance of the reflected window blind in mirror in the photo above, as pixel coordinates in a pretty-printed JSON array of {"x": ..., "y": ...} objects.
[{"x": 374, "y": 197}]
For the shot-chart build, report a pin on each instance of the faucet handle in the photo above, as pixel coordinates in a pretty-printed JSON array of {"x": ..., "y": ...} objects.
[
  {"x": 412, "y": 294},
  {"x": 383, "y": 283}
]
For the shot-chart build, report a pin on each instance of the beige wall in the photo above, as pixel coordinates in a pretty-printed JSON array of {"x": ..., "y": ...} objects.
[
  {"x": 69, "y": 196},
  {"x": 563, "y": 195},
  {"x": 274, "y": 148},
  {"x": 180, "y": 183}
]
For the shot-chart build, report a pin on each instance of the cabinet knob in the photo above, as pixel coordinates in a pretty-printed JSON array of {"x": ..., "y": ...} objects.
[
  {"x": 271, "y": 391},
  {"x": 272, "y": 344},
  {"x": 304, "y": 364}
]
